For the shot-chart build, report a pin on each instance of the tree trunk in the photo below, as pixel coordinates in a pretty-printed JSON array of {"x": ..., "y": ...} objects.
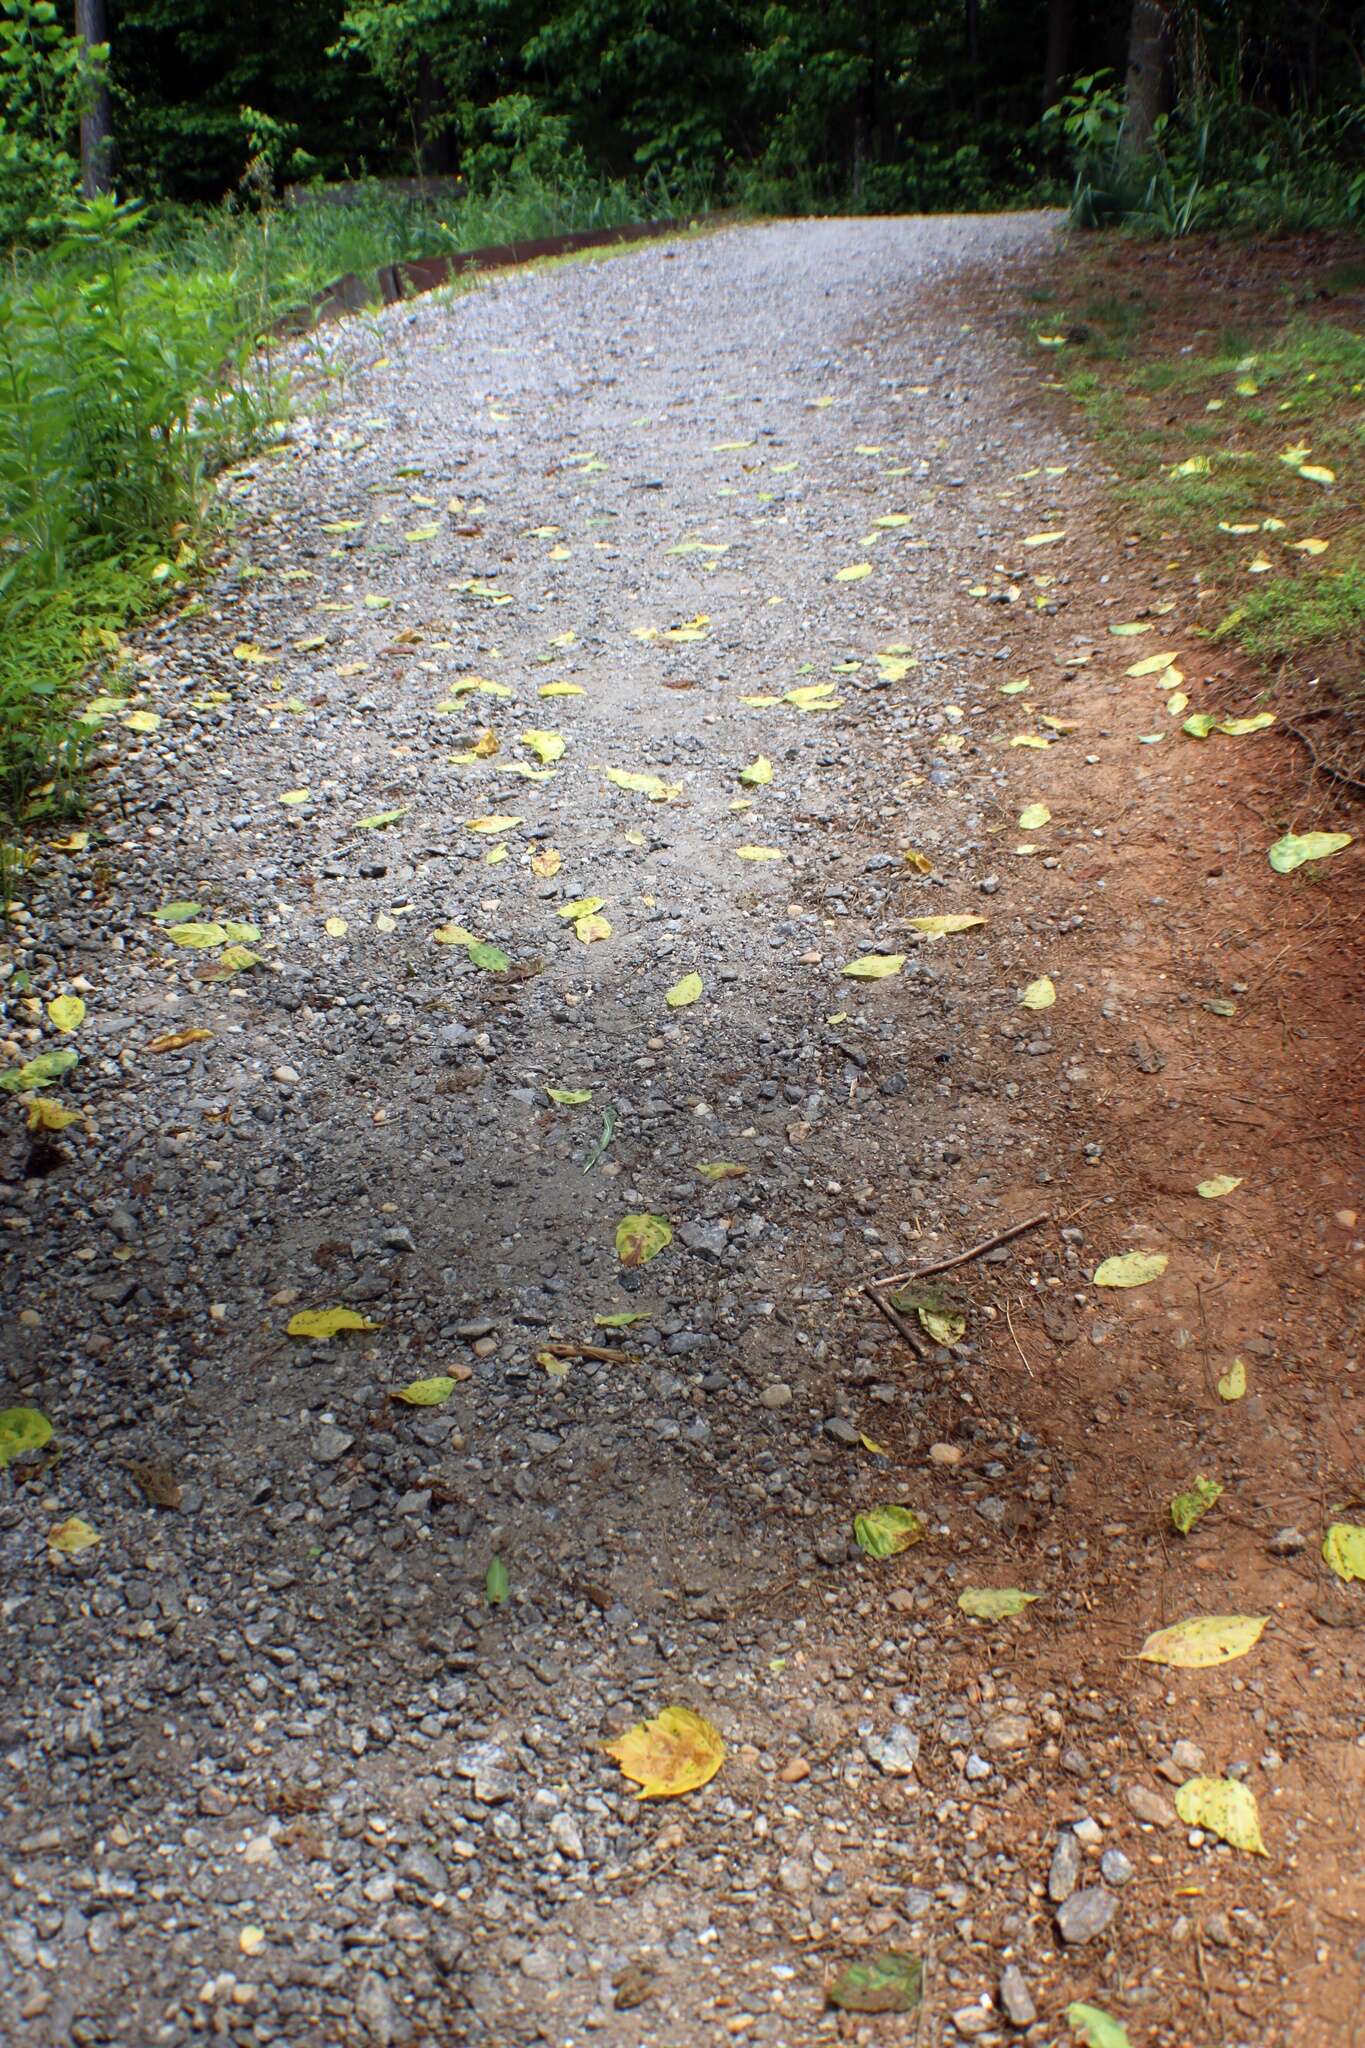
[
  {"x": 973, "y": 24},
  {"x": 1144, "y": 94},
  {"x": 97, "y": 140},
  {"x": 1061, "y": 21}
]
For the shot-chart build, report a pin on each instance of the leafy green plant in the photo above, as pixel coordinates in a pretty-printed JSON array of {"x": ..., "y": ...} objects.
[{"x": 46, "y": 76}]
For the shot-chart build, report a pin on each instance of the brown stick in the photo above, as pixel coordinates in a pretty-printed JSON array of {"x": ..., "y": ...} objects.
[
  {"x": 1009, "y": 1324},
  {"x": 896, "y": 1321},
  {"x": 602, "y": 1351},
  {"x": 987, "y": 1244}
]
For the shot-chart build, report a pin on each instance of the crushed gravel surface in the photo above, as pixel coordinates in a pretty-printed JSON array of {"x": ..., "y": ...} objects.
[{"x": 275, "y": 1771}]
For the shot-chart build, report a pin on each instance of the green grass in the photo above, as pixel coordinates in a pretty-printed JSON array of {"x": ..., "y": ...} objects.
[
  {"x": 1287, "y": 613},
  {"x": 1241, "y": 400},
  {"x": 130, "y": 375}
]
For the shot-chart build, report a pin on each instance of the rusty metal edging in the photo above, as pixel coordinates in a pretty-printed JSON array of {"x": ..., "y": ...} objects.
[{"x": 398, "y": 281}]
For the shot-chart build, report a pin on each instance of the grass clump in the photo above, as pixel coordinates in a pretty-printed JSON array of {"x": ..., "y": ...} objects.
[{"x": 1237, "y": 451}]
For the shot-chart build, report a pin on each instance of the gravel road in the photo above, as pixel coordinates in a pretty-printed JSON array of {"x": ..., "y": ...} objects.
[{"x": 275, "y": 1770}]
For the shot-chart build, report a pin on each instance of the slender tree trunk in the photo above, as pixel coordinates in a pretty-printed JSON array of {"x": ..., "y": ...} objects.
[
  {"x": 973, "y": 13},
  {"x": 1061, "y": 21},
  {"x": 97, "y": 140},
  {"x": 1149, "y": 51}
]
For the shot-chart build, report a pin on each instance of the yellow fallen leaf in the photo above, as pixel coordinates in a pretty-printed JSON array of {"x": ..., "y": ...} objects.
[
  {"x": 580, "y": 906},
  {"x": 1033, "y": 817},
  {"x": 174, "y": 1041},
  {"x": 1219, "y": 1184},
  {"x": 453, "y": 935},
  {"x": 428, "y": 1393},
  {"x": 1030, "y": 739},
  {"x": 1040, "y": 994},
  {"x": 1233, "y": 1383},
  {"x": 644, "y": 784},
  {"x": 940, "y": 927},
  {"x": 759, "y": 853},
  {"x": 1222, "y": 1807},
  {"x": 1043, "y": 540},
  {"x": 1343, "y": 1550},
  {"x": 548, "y": 863},
  {"x": 323, "y": 1323},
  {"x": 335, "y": 927},
  {"x": 295, "y": 796},
  {"x": 874, "y": 966},
  {"x": 74, "y": 842},
  {"x": 561, "y": 690},
  {"x": 254, "y": 657},
  {"x": 854, "y": 573},
  {"x": 592, "y": 928},
  {"x": 200, "y": 938},
  {"x": 71, "y": 1537},
  {"x": 1317, "y": 473},
  {"x": 640, "y": 1238},
  {"x": 757, "y": 773},
  {"x": 1311, "y": 545},
  {"x": 1130, "y": 1269},
  {"x": 918, "y": 863},
  {"x": 684, "y": 993},
  {"x": 67, "y": 1013},
  {"x": 1152, "y": 665},
  {"x": 499, "y": 823},
  {"x": 142, "y": 721},
  {"x": 546, "y": 746},
  {"x": 1203, "y": 1641},
  {"x": 46, "y": 1115},
  {"x": 678, "y": 1751}
]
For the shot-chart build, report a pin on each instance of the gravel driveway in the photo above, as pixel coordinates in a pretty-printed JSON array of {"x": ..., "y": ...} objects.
[{"x": 276, "y": 1770}]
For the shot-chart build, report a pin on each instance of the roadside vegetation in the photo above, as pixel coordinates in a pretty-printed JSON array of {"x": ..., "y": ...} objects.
[
  {"x": 1225, "y": 385},
  {"x": 147, "y": 252}
]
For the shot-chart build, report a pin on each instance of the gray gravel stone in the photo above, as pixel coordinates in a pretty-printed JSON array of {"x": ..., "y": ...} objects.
[{"x": 1085, "y": 1915}]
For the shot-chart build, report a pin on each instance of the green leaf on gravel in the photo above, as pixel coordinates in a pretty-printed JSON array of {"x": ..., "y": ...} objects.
[
  {"x": 994, "y": 1603},
  {"x": 890, "y": 1982},
  {"x": 425, "y": 1393},
  {"x": 1343, "y": 1550},
  {"x": 570, "y": 1098},
  {"x": 1297, "y": 847},
  {"x": 1188, "y": 1508},
  {"x": 176, "y": 913},
  {"x": 381, "y": 819},
  {"x": 496, "y": 1584},
  {"x": 757, "y": 773},
  {"x": 942, "y": 1324},
  {"x": 620, "y": 1319},
  {"x": 199, "y": 937},
  {"x": 43, "y": 1068},
  {"x": 886, "y": 1531},
  {"x": 22, "y": 1429},
  {"x": 641, "y": 1238},
  {"x": 1130, "y": 1269},
  {"x": 608, "y": 1133},
  {"x": 720, "y": 1169},
  {"x": 1096, "y": 2029},
  {"x": 491, "y": 958},
  {"x": 241, "y": 934},
  {"x": 684, "y": 993}
]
